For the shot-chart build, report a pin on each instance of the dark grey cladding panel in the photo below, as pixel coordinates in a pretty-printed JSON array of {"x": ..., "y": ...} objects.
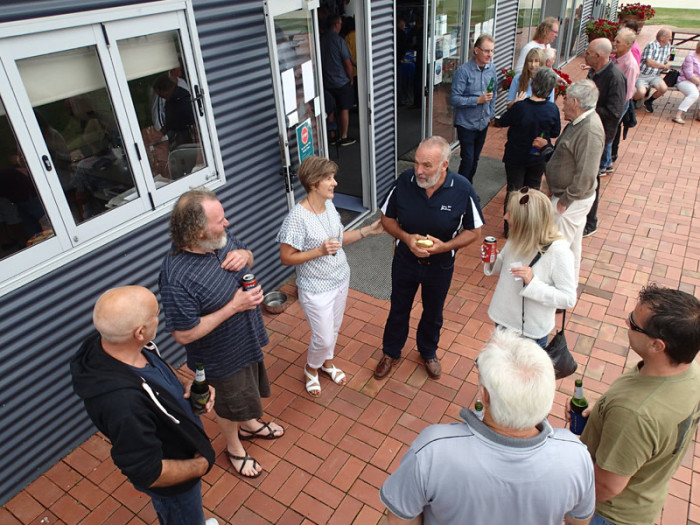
[
  {"x": 22, "y": 9},
  {"x": 586, "y": 15},
  {"x": 44, "y": 322},
  {"x": 506, "y": 26},
  {"x": 383, "y": 29}
]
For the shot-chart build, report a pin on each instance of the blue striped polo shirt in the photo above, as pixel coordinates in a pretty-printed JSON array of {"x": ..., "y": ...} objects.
[{"x": 193, "y": 285}]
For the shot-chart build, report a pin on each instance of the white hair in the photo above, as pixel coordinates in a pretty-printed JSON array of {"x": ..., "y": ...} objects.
[
  {"x": 586, "y": 92},
  {"x": 519, "y": 377},
  {"x": 436, "y": 141}
]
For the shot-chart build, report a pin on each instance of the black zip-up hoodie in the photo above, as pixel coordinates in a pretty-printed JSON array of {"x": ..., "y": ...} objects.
[{"x": 144, "y": 422}]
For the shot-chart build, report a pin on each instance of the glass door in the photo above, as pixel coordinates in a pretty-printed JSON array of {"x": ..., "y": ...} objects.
[
  {"x": 292, "y": 30},
  {"x": 446, "y": 55}
]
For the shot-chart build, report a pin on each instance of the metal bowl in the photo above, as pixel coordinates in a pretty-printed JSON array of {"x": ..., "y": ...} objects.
[{"x": 275, "y": 302}]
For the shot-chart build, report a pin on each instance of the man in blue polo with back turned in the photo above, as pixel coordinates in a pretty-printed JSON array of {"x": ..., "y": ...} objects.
[{"x": 427, "y": 203}]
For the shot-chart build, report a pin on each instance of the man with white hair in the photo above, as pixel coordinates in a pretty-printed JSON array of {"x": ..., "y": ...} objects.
[
  {"x": 431, "y": 212},
  {"x": 135, "y": 399},
  {"x": 654, "y": 60},
  {"x": 571, "y": 172},
  {"x": 512, "y": 467}
]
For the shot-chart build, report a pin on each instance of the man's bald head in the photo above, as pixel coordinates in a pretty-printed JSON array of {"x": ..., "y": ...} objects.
[
  {"x": 119, "y": 312},
  {"x": 602, "y": 47}
]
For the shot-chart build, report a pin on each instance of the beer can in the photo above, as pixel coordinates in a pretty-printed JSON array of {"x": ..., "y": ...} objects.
[
  {"x": 489, "y": 250},
  {"x": 249, "y": 282}
]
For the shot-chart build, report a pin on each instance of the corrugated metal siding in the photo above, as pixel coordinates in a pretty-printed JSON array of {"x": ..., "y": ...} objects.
[
  {"x": 585, "y": 17},
  {"x": 383, "y": 111},
  {"x": 44, "y": 322},
  {"x": 506, "y": 26}
]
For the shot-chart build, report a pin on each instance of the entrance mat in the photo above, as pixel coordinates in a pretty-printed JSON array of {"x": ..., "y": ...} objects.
[{"x": 370, "y": 258}]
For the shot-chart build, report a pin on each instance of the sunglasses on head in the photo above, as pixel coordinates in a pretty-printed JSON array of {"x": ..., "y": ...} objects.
[{"x": 525, "y": 195}]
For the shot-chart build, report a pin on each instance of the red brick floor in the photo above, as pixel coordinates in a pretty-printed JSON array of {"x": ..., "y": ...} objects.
[{"x": 339, "y": 449}]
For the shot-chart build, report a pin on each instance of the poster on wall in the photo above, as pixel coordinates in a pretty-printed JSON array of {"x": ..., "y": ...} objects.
[
  {"x": 305, "y": 140},
  {"x": 438, "y": 72}
]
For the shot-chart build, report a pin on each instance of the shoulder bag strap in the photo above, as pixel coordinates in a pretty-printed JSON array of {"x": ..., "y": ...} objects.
[{"x": 532, "y": 263}]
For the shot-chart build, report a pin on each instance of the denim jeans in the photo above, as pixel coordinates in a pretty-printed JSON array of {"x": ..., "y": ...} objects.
[
  {"x": 471, "y": 142},
  {"x": 181, "y": 509},
  {"x": 600, "y": 520},
  {"x": 434, "y": 280}
]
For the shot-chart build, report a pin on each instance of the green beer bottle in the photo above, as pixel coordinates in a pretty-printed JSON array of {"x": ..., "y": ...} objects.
[
  {"x": 199, "y": 392},
  {"x": 479, "y": 409},
  {"x": 490, "y": 88},
  {"x": 578, "y": 405}
]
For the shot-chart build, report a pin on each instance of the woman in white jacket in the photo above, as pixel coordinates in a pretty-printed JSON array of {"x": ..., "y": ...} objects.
[{"x": 528, "y": 295}]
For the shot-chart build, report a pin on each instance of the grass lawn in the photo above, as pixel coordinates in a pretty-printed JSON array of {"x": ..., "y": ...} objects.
[{"x": 686, "y": 18}]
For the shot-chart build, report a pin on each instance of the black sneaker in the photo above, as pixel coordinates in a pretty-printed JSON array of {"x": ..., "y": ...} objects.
[
  {"x": 347, "y": 141},
  {"x": 649, "y": 105},
  {"x": 587, "y": 232}
]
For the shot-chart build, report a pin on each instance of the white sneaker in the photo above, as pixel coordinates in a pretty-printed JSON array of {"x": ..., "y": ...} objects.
[{"x": 211, "y": 521}]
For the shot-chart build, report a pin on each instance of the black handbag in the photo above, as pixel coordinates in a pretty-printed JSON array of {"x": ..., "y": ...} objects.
[
  {"x": 671, "y": 78},
  {"x": 557, "y": 349}
]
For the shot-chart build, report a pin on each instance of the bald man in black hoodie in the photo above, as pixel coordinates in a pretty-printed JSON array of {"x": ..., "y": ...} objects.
[{"x": 135, "y": 399}]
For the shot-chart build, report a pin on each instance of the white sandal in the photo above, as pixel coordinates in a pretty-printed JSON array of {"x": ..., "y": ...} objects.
[
  {"x": 313, "y": 386},
  {"x": 337, "y": 375}
]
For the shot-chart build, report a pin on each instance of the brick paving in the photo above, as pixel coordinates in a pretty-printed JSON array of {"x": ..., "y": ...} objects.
[{"x": 338, "y": 449}]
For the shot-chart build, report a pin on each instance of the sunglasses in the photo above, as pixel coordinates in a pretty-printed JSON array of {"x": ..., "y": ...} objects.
[
  {"x": 634, "y": 326},
  {"x": 525, "y": 195}
]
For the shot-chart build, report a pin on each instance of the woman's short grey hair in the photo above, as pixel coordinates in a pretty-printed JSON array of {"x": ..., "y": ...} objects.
[
  {"x": 543, "y": 82},
  {"x": 519, "y": 378},
  {"x": 585, "y": 91}
]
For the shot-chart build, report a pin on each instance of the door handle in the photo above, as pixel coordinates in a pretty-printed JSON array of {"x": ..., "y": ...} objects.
[{"x": 47, "y": 162}]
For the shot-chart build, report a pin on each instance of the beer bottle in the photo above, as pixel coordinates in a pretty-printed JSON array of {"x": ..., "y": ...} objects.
[
  {"x": 490, "y": 88},
  {"x": 199, "y": 392},
  {"x": 479, "y": 410},
  {"x": 578, "y": 405}
]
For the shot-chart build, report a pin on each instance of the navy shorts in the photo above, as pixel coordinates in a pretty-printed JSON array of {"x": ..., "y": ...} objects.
[{"x": 344, "y": 96}]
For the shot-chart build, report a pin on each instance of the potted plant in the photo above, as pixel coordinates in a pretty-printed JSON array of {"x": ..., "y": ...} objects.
[
  {"x": 508, "y": 75},
  {"x": 563, "y": 83},
  {"x": 638, "y": 12},
  {"x": 601, "y": 28}
]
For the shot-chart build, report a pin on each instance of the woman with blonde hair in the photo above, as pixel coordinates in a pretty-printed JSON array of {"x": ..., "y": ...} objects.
[
  {"x": 312, "y": 239},
  {"x": 535, "y": 267},
  {"x": 521, "y": 86}
]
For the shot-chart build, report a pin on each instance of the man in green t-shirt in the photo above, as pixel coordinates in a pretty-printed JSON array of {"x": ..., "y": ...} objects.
[{"x": 640, "y": 429}]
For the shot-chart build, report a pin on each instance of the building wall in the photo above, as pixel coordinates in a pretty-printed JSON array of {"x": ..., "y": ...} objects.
[
  {"x": 44, "y": 322},
  {"x": 382, "y": 64},
  {"x": 506, "y": 27}
]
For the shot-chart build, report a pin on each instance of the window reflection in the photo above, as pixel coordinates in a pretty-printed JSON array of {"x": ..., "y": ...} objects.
[
  {"x": 164, "y": 105},
  {"x": 23, "y": 220},
  {"x": 77, "y": 121}
]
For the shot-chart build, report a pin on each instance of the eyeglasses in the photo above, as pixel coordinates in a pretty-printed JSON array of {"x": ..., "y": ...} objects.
[
  {"x": 634, "y": 326},
  {"x": 525, "y": 195},
  {"x": 487, "y": 51}
]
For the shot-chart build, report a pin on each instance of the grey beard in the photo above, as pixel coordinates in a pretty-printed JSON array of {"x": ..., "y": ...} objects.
[{"x": 211, "y": 244}]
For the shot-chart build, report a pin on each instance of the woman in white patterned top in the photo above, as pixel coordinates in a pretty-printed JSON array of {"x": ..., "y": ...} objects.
[{"x": 311, "y": 238}]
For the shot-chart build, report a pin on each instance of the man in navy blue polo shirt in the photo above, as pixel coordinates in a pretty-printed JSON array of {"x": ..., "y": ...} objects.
[{"x": 428, "y": 202}]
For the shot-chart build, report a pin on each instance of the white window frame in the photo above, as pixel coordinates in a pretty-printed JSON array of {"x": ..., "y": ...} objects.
[{"x": 102, "y": 29}]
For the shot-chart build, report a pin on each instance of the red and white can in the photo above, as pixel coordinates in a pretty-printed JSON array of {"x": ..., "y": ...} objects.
[
  {"x": 249, "y": 282},
  {"x": 489, "y": 250}
]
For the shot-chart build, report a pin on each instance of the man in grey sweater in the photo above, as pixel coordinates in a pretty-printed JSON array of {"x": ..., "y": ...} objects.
[{"x": 572, "y": 170}]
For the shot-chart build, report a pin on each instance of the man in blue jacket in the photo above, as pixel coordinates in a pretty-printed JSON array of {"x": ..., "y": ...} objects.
[
  {"x": 473, "y": 88},
  {"x": 135, "y": 399}
]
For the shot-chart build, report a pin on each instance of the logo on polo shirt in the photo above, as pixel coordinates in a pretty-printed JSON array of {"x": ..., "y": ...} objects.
[{"x": 445, "y": 207}]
